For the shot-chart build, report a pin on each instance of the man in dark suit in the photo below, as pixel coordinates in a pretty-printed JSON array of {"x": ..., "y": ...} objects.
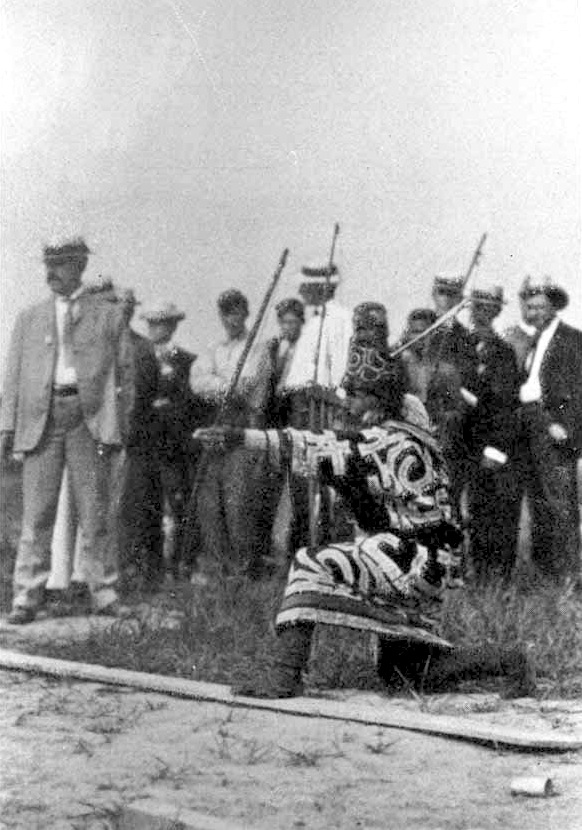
[
  {"x": 454, "y": 365},
  {"x": 551, "y": 412},
  {"x": 173, "y": 423},
  {"x": 60, "y": 407},
  {"x": 490, "y": 432},
  {"x": 140, "y": 510}
]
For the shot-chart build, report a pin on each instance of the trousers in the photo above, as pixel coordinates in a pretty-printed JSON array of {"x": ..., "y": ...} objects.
[{"x": 66, "y": 442}]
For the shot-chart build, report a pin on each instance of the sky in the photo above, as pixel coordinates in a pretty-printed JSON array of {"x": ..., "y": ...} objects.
[{"x": 190, "y": 143}]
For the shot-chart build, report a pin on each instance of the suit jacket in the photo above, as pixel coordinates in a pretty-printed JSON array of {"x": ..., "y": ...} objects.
[
  {"x": 493, "y": 421},
  {"x": 99, "y": 327},
  {"x": 454, "y": 364},
  {"x": 139, "y": 412},
  {"x": 561, "y": 382},
  {"x": 521, "y": 343},
  {"x": 176, "y": 405}
]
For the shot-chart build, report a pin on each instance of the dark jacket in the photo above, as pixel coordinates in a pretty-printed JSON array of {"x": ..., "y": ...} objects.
[
  {"x": 492, "y": 422},
  {"x": 452, "y": 353},
  {"x": 145, "y": 390},
  {"x": 561, "y": 382},
  {"x": 175, "y": 404}
]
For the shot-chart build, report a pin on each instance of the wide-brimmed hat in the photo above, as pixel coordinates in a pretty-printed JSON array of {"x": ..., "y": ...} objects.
[
  {"x": 162, "y": 312},
  {"x": 448, "y": 283},
  {"x": 65, "y": 250},
  {"x": 557, "y": 296}
]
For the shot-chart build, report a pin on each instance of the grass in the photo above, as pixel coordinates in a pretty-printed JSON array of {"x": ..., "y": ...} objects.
[{"x": 225, "y": 631}]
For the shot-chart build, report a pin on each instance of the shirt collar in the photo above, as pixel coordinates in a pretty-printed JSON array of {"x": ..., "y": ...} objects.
[
  {"x": 231, "y": 341},
  {"x": 72, "y": 297}
]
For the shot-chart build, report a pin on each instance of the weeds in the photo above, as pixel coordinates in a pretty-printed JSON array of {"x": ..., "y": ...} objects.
[
  {"x": 224, "y": 632},
  {"x": 380, "y": 745},
  {"x": 303, "y": 757}
]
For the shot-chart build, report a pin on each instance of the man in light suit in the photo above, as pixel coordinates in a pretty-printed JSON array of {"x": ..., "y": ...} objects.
[
  {"x": 551, "y": 441},
  {"x": 61, "y": 407}
]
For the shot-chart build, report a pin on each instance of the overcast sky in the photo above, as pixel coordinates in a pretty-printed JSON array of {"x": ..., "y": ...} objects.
[{"x": 190, "y": 142}]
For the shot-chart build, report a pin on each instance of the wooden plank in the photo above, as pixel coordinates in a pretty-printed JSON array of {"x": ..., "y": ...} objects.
[
  {"x": 153, "y": 814},
  {"x": 386, "y": 715}
]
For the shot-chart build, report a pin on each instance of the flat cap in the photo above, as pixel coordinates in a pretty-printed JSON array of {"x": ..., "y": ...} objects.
[
  {"x": 448, "y": 283},
  {"x": 488, "y": 296},
  {"x": 321, "y": 273},
  {"x": 66, "y": 250}
]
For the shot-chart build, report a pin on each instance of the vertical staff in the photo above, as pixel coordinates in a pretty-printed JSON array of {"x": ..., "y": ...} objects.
[{"x": 314, "y": 490}]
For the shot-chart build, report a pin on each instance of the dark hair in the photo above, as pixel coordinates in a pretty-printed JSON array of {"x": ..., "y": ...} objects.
[
  {"x": 290, "y": 306},
  {"x": 233, "y": 300},
  {"x": 426, "y": 315}
]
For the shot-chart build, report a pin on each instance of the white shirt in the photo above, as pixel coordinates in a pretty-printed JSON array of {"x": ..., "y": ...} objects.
[
  {"x": 333, "y": 356},
  {"x": 212, "y": 373},
  {"x": 531, "y": 391},
  {"x": 65, "y": 374}
]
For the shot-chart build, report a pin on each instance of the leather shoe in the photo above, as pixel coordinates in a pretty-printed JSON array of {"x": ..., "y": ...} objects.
[{"x": 21, "y": 616}]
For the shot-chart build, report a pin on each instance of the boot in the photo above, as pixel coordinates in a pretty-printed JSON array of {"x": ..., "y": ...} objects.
[
  {"x": 514, "y": 664},
  {"x": 283, "y": 677}
]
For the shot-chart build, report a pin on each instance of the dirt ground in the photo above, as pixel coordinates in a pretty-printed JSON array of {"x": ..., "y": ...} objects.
[{"x": 72, "y": 753}]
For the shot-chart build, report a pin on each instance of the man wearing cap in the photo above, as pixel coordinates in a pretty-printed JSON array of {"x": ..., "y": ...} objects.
[
  {"x": 322, "y": 350},
  {"x": 551, "y": 413},
  {"x": 228, "y": 505},
  {"x": 491, "y": 433},
  {"x": 392, "y": 578},
  {"x": 175, "y": 417},
  {"x": 454, "y": 363},
  {"x": 140, "y": 502},
  {"x": 60, "y": 407}
]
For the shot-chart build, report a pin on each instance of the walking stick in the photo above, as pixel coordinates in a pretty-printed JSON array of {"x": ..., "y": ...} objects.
[{"x": 314, "y": 490}]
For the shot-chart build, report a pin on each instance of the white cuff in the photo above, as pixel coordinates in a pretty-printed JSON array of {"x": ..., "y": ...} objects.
[
  {"x": 495, "y": 455},
  {"x": 469, "y": 397}
]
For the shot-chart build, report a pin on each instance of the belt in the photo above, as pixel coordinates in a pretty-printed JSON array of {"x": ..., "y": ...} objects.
[{"x": 65, "y": 391}]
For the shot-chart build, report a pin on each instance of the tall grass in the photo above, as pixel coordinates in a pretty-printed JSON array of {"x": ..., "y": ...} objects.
[
  {"x": 225, "y": 631},
  {"x": 226, "y": 634}
]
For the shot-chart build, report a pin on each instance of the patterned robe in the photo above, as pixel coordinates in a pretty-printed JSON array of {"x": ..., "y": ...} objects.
[{"x": 391, "y": 580}]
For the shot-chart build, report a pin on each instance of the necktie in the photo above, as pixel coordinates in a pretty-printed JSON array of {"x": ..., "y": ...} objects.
[
  {"x": 68, "y": 355},
  {"x": 532, "y": 351}
]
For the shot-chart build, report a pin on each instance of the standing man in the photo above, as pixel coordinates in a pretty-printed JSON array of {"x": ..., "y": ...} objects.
[
  {"x": 60, "y": 407},
  {"x": 291, "y": 317},
  {"x": 418, "y": 358},
  {"x": 172, "y": 424},
  {"x": 551, "y": 410},
  {"x": 331, "y": 340},
  {"x": 140, "y": 505},
  {"x": 491, "y": 438},
  {"x": 455, "y": 364},
  {"x": 521, "y": 336},
  {"x": 229, "y": 507}
]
